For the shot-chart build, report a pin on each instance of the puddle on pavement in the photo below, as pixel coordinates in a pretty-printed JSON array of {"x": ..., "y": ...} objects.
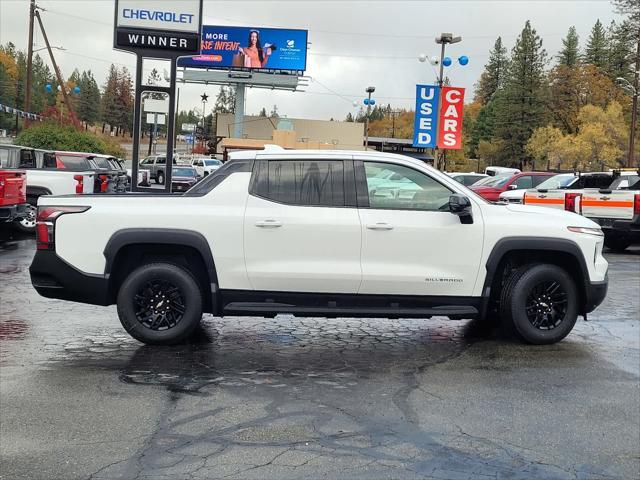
[{"x": 234, "y": 352}]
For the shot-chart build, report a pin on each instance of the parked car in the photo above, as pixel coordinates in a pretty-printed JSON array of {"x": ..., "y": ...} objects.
[
  {"x": 183, "y": 178},
  {"x": 301, "y": 232},
  {"x": 47, "y": 175},
  {"x": 157, "y": 167},
  {"x": 491, "y": 188},
  {"x": 205, "y": 165},
  {"x": 495, "y": 171},
  {"x": 467, "y": 179},
  {"x": 13, "y": 194},
  {"x": 111, "y": 164}
]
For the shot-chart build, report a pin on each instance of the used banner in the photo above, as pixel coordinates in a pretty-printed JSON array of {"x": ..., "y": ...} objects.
[{"x": 425, "y": 123}]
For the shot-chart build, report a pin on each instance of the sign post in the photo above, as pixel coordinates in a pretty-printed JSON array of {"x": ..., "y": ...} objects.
[{"x": 158, "y": 30}]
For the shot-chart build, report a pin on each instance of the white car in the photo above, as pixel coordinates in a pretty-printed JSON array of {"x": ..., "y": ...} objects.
[
  {"x": 205, "y": 165},
  {"x": 304, "y": 233}
]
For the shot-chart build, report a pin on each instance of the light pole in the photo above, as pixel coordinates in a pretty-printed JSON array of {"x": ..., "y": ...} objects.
[
  {"x": 633, "y": 90},
  {"x": 442, "y": 40},
  {"x": 368, "y": 102},
  {"x": 204, "y": 98}
]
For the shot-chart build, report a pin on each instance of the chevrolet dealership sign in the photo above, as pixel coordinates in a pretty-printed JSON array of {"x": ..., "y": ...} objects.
[{"x": 172, "y": 26}]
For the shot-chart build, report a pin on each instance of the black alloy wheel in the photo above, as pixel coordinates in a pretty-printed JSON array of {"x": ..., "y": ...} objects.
[
  {"x": 546, "y": 305},
  {"x": 160, "y": 305}
]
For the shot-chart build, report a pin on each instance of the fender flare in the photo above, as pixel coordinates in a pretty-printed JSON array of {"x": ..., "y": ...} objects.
[
  {"x": 33, "y": 191},
  {"x": 540, "y": 244},
  {"x": 172, "y": 236}
]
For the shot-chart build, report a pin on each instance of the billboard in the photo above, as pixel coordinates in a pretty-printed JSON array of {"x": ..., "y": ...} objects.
[
  {"x": 450, "y": 132},
  {"x": 250, "y": 48},
  {"x": 425, "y": 123}
]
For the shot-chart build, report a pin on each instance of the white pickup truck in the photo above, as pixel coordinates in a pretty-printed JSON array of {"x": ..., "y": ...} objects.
[
  {"x": 43, "y": 181},
  {"x": 310, "y": 233}
]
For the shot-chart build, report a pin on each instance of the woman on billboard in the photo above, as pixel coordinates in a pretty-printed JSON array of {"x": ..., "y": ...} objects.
[{"x": 254, "y": 55}]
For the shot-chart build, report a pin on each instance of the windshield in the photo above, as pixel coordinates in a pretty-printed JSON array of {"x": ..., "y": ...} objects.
[
  {"x": 625, "y": 181},
  {"x": 557, "y": 181},
  {"x": 211, "y": 163},
  {"x": 493, "y": 181},
  {"x": 184, "y": 172}
]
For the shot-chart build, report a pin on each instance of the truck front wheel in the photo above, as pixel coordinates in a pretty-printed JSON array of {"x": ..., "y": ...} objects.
[
  {"x": 539, "y": 303},
  {"x": 160, "y": 304},
  {"x": 616, "y": 243}
]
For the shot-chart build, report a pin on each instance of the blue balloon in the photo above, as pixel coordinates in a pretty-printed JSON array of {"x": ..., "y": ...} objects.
[
  {"x": 446, "y": 61},
  {"x": 366, "y": 101},
  {"x": 372, "y": 102},
  {"x": 76, "y": 89},
  {"x": 48, "y": 88},
  {"x": 463, "y": 60}
]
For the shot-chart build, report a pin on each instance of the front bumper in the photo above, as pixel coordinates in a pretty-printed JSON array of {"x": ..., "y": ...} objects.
[
  {"x": 595, "y": 293},
  {"x": 52, "y": 277},
  {"x": 10, "y": 213}
]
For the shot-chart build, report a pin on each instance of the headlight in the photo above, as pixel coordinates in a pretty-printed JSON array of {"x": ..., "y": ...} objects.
[{"x": 587, "y": 230}]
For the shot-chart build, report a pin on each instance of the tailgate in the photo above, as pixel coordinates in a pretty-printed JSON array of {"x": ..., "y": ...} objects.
[
  {"x": 617, "y": 205},
  {"x": 551, "y": 198},
  {"x": 13, "y": 187}
]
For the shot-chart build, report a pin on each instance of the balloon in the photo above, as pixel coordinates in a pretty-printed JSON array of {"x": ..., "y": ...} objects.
[
  {"x": 59, "y": 88},
  {"x": 422, "y": 57},
  {"x": 372, "y": 102},
  {"x": 76, "y": 89},
  {"x": 48, "y": 88},
  {"x": 463, "y": 60},
  {"x": 446, "y": 61},
  {"x": 434, "y": 60},
  {"x": 355, "y": 104},
  {"x": 366, "y": 101}
]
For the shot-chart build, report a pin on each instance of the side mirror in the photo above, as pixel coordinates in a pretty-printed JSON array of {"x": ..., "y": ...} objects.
[
  {"x": 513, "y": 186},
  {"x": 461, "y": 206}
]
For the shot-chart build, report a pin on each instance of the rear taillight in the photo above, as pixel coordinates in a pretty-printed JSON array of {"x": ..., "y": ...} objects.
[
  {"x": 104, "y": 183},
  {"x": 46, "y": 222},
  {"x": 80, "y": 184},
  {"x": 636, "y": 204},
  {"x": 572, "y": 202},
  {"x": 1, "y": 187}
]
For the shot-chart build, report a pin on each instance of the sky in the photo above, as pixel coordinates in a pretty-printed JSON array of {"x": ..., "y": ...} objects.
[{"x": 353, "y": 44}]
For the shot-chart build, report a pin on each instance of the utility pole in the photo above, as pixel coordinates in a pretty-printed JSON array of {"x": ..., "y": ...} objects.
[
  {"x": 369, "y": 91},
  {"x": 634, "y": 109},
  {"x": 63, "y": 88},
  {"x": 27, "y": 93},
  {"x": 443, "y": 40}
]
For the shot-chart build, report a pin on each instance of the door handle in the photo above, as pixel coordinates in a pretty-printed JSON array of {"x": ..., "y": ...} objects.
[
  {"x": 269, "y": 223},
  {"x": 380, "y": 226}
]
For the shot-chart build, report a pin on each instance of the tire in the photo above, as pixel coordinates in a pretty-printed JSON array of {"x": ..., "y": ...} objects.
[
  {"x": 616, "y": 243},
  {"x": 539, "y": 304},
  {"x": 28, "y": 223},
  {"x": 138, "y": 299},
  {"x": 160, "y": 178}
]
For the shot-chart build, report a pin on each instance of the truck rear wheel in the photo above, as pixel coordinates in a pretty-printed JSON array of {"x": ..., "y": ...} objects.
[
  {"x": 160, "y": 304},
  {"x": 539, "y": 303},
  {"x": 27, "y": 224}
]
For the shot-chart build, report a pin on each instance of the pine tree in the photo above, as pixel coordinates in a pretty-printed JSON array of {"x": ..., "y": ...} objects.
[
  {"x": 520, "y": 105},
  {"x": 110, "y": 98},
  {"x": 493, "y": 75},
  {"x": 263, "y": 112},
  {"x": 570, "y": 53},
  {"x": 89, "y": 103},
  {"x": 621, "y": 50},
  {"x": 349, "y": 118},
  {"x": 596, "y": 50}
]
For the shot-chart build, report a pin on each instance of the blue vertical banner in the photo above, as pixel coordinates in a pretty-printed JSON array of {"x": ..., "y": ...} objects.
[{"x": 426, "y": 118}]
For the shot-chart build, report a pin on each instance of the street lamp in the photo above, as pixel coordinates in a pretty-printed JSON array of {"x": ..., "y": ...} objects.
[
  {"x": 626, "y": 85},
  {"x": 368, "y": 102},
  {"x": 443, "y": 40}
]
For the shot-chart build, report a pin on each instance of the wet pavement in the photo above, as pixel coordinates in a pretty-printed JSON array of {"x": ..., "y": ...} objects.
[{"x": 254, "y": 398}]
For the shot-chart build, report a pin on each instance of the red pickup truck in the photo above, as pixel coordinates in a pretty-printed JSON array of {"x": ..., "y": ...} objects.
[{"x": 13, "y": 194}]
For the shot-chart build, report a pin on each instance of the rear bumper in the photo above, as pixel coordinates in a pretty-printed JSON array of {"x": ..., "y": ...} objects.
[
  {"x": 9, "y": 213},
  {"x": 52, "y": 277},
  {"x": 595, "y": 294},
  {"x": 626, "y": 228}
]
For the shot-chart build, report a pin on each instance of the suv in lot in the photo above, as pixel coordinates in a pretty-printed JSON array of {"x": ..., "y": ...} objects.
[
  {"x": 310, "y": 233},
  {"x": 490, "y": 188},
  {"x": 157, "y": 167}
]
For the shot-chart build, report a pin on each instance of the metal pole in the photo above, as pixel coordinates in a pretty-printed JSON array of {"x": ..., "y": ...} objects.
[
  {"x": 56, "y": 69},
  {"x": 238, "y": 127},
  {"x": 27, "y": 93},
  {"x": 439, "y": 159},
  {"x": 366, "y": 126},
  {"x": 634, "y": 109}
]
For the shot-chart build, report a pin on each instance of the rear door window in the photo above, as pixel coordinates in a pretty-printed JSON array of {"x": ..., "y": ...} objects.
[
  {"x": 74, "y": 163},
  {"x": 524, "y": 182}
]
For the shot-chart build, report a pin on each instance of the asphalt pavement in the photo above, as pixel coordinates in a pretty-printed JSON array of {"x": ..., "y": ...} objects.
[{"x": 254, "y": 398}]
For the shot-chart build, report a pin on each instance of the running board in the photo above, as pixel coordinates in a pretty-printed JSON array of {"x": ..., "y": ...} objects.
[{"x": 272, "y": 308}]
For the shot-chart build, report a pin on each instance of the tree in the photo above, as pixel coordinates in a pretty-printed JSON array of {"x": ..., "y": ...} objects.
[
  {"x": 88, "y": 109},
  {"x": 544, "y": 146},
  {"x": 630, "y": 8},
  {"x": 349, "y": 118},
  {"x": 596, "y": 49},
  {"x": 569, "y": 56},
  {"x": 109, "y": 99},
  {"x": 491, "y": 151},
  {"x": 494, "y": 71},
  {"x": 520, "y": 104},
  {"x": 263, "y": 112},
  {"x": 274, "y": 112},
  {"x": 483, "y": 128},
  {"x": 621, "y": 50}
]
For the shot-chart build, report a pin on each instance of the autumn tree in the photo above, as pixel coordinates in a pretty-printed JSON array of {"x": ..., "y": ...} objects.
[{"x": 544, "y": 145}]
